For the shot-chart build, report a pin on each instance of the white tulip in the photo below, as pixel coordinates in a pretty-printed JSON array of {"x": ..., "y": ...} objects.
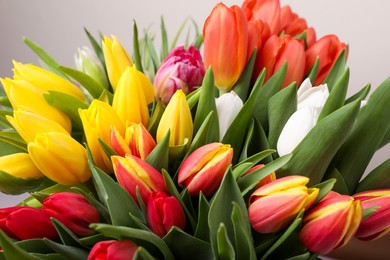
[{"x": 228, "y": 106}]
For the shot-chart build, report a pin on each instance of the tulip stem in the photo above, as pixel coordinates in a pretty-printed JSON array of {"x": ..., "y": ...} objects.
[{"x": 223, "y": 91}]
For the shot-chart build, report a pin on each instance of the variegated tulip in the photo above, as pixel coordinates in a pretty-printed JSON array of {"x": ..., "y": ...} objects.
[
  {"x": 19, "y": 165},
  {"x": 267, "y": 11},
  {"x": 228, "y": 106},
  {"x": 97, "y": 122},
  {"x": 274, "y": 206},
  {"x": 22, "y": 94},
  {"x": 46, "y": 80},
  {"x": 327, "y": 49},
  {"x": 278, "y": 50},
  {"x": 60, "y": 157},
  {"x": 132, "y": 96},
  {"x": 117, "y": 59},
  {"x": 132, "y": 173},
  {"x": 331, "y": 223},
  {"x": 225, "y": 35},
  {"x": 29, "y": 124},
  {"x": 378, "y": 224},
  {"x": 137, "y": 141},
  {"x": 204, "y": 168},
  {"x": 177, "y": 119}
]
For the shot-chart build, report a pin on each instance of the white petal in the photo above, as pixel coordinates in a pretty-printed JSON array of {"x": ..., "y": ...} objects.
[
  {"x": 316, "y": 97},
  {"x": 228, "y": 105},
  {"x": 305, "y": 86}
]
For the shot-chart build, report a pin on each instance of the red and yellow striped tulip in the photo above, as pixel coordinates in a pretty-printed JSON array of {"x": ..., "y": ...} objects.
[
  {"x": 275, "y": 205},
  {"x": 204, "y": 168},
  {"x": 331, "y": 223},
  {"x": 377, "y": 224}
]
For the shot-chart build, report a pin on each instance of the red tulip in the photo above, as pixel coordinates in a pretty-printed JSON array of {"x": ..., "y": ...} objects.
[
  {"x": 327, "y": 49},
  {"x": 267, "y": 11},
  {"x": 113, "y": 250},
  {"x": 377, "y": 224},
  {"x": 164, "y": 212},
  {"x": 73, "y": 210},
  {"x": 225, "y": 35}
]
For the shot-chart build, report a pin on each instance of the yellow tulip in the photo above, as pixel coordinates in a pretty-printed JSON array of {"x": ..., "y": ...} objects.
[
  {"x": 132, "y": 96},
  {"x": 116, "y": 58},
  {"x": 97, "y": 122},
  {"x": 46, "y": 80},
  {"x": 178, "y": 120},
  {"x": 19, "y": 165},
  {"x": 22, "y": 93},
  {"x": 60, "y": 157},
  {"x": 29, "y": 124}
]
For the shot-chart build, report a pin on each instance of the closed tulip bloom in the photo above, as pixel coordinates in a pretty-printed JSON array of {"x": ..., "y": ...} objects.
[
  {"x": 164, "y": 212},
  {"x": 181, "y": 69},
  {"x": 117, "y": 59},
  {"x": 22, "y": 222},
  {"x": 132, "y": 172},
  {"x": 331, "y": 223},
  {"x": 228, "y": 106},
  {"x": 97, "y": 122},
  {"x": 29, "y": 124},
  {"x": 378, "y": 224},
  {"x": 225, "y": 35},
  {"x": 177, "y": 119},
  {"x": 204, "y": 168},
  {"x": 327, "y": 49},
  {"x": 60, "y": 157},
  {"x": 19, "y": 165},
  {"x": 87, "y": 62},
  {"x": 132, "y": 96},
  {"x": 278, "y": 50},
  {"x": 267, "y": 179},
  {"x": 137, "y": 141},
  {"x": 22, "y": 94},
  {"x": 73, "y": 210},
  {"x": 113, "y": 250},
  {"x": 46, "y": 80},
  {"x": 274, "y": 206},
  {"x": 267, "y": 11}
]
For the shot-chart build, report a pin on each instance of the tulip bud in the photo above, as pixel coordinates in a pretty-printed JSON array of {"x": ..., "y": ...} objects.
[
  {"x": 327, "y": 49},
  {"x": 331, "y": 223},
  {"x": 131, "y": 98},
  {"x": 60, "y": 157},
  {"x": 225, "y": 35},
  {"x": 181, "y": 69},
  {"x": 87, "y": 62},
  {"x": 274, "y": 206},
  {"x": 117, "y": 59},
  {"x": 178, "y": 119},
  {"x": 204, "y": 168},
  {"x": 278, "y": 50},
  {"x": 46, "y": 80},
  {"x": 113, "y": 250},
  {"x": 228, "y": 106},
  {"x": 267, "y": 11},
  {"x": 20, "y": 222},
  {"x": 73, "y": 210},
  {"x": 164, "y": 212},
  {"x": 291, "y": 23},
  {"x": 132, "y": 172},
  {"x": 19, "y": 165},
  {"x": 97, "y": 122},
  {"x": 267, "y": 179},
  {"x": 29, "y": 125},
  {"x": 22, "y": 94},
  {"x": 377, "y": 224}
]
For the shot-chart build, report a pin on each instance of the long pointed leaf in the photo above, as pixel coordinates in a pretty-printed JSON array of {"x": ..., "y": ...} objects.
[{"x": 379, "y": 178}]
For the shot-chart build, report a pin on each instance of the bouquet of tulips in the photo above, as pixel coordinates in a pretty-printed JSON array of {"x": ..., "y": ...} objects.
[{"x": 240, "y": 144}]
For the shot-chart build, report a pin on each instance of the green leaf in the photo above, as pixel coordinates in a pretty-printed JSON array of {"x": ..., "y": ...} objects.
[
  {"x": 202, "y": 228},
  {"x": 159, "y": 156},
  {"x": 193, "y": 98},
  {"x": 336, "y": 96},
  {"x": 312, "y": 74},
  {"x": 340, "y": 186},
  {"x": 280, "y": 107},
  {"x": 142, "y": 254},
  {"x": 367, "y": 133},
  {"x": 225, "y": 247},
  {"x": 379, "y": 178},
  {"x": 36, "y": 245},
  {"x": 10, "y": 184},
  {"x": 152, "y": 52},
  {"x": 155, "y": 119},
  {"x": 96, "y": 47},
  {"x": 337, "y": 70},
  {"x": 201, "y": 136},
  {"x": 385, "y": 140},
  {"x": 68, "y": 252},
  {"x": 164, "y": 40},
  {"x": 141, "y": 237},
  {"x": 361, "y": 94},
  {"x": 314, "y": 153},
  {"x": 67, "y": 237},
  {"x": 241, "y": 87},
  {"x": 137, "y": 53},
  {"x": 177, "y": 35},
  {"x": 369, "y": 211},
  {"x": 248, "y": 141},
  {"x": 244, "y": 242},
  {"x": 12, "y": 251},
  {"x": 12, "y": 141},
  {"x": 324, "y": 187},
  {"x": 185, "y": 246},
  {"x": 241, "y": 167}
]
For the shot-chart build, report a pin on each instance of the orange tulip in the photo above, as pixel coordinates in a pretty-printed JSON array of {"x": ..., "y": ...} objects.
[
  {"x": 328, "y": 49},
  {"x": 267, "y": 11},
  {"x": 225, "y": 44}
]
